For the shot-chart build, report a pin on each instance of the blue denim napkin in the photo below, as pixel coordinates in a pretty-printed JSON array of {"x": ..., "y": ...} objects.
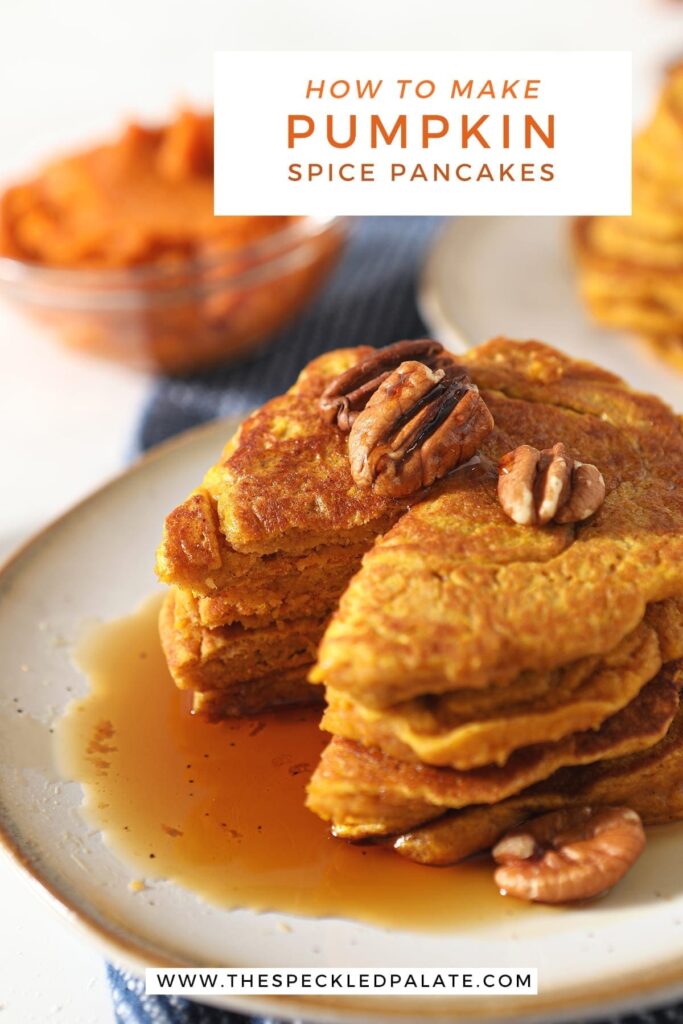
[{"x": 369, "y": 300}]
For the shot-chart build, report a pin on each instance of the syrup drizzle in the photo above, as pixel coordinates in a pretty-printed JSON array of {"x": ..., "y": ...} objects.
[{"x": 219, "y": 809}]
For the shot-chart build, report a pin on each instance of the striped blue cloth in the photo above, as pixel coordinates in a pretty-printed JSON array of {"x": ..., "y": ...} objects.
[{"x": 369, "y": 300}]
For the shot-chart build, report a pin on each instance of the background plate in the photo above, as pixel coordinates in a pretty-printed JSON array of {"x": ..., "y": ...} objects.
[
  {"x": 96, "y": 562},
  {"x": 514, "y": 276}
]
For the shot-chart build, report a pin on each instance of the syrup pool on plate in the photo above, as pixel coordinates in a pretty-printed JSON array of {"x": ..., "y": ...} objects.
[{"x": 219, "y": 808}]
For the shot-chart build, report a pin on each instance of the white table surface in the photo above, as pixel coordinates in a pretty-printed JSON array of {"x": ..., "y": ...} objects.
[{"x": 70, "y": 71}]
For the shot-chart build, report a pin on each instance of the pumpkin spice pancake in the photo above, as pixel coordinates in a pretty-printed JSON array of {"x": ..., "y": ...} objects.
[
  {"x": 366, "y": 793},
  {"x": 457, "y": 596},
  {"x": 631, "y": 268},
  {"x": 492, "y": 553},
  {"x": 204, "y": 659},
  {"x": 259, "y": 554},
  {"x": 472, "y": 657},
  {"x": 467, "y": 729},
  {"x": 648, "y": 781}
]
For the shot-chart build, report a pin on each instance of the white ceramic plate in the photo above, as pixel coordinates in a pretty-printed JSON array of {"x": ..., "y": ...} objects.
[
  {"x": 96, "y": 561},
  {"x": 514, "y": 276}
]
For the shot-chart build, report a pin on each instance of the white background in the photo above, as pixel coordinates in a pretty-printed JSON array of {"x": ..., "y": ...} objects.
[
  {"x": 588, "y": 94},
  {"x": 69, "y": 71}
]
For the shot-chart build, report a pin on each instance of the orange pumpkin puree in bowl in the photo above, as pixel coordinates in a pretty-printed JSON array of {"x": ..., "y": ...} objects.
[{"x": 118, "y": 248}]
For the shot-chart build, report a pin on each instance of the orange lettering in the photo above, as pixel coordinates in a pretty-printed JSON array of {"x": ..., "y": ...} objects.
[
  {"x": 439, "y": 133},
  {"x": 398, "y": 128},
  {"x": 473, "y": 132},
  {"x": 547, "y": 138},
  {"x": 293, "y": 134}
]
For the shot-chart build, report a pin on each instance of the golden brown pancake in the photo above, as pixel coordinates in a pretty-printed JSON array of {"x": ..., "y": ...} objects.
[
  {"x": 284, "y": 687},
  {"x": 314, "y": 592},
  {"x": 223, "y": 658},
  {"x": 650, "y": 782},
  {"x": 631, "y": 268},
  {"x": 469, "y": 728},
  {"x": 507, "y": 654},
  {"x": 364, "y": 792},
  {"x": 440, "y": 730},
  {"x": 457, "y": 596},
  {"x": 283, "y": 484},
  {"x": 195, "y": 556},
  {"x": 259, "y": 554}
]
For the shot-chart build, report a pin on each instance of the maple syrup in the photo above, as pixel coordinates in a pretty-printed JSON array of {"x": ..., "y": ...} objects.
[{"x": 219, "y": 808}]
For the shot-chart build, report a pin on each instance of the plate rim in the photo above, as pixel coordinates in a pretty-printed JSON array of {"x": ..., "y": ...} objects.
[
  {"x": 427, "y": 298},
  {"x": 654, "y": 985}
]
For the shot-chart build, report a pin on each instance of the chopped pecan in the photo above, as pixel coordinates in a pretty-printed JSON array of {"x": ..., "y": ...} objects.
[
  {"x": 535, "y": 487},
  {"x": 418, "y": 425},
  {"x": 347, "y": 394},
  {"x": 571, "y": 854}
]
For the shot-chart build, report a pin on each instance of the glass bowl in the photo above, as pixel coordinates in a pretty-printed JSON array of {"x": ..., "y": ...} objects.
[{"x": 186, "y": 315}]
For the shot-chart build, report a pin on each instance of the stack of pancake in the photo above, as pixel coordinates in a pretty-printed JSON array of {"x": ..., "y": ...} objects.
[
  {"x": 258, "y": 556},
  {"x": 631, "y": 268},
  {"x": 478, "y": 671}
]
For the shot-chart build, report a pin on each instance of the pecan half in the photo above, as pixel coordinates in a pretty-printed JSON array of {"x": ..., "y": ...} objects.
[
  {"x": 571, "y": 854},
  {"x": 535, "y": 487},
  {"x": 347, "y": 394},
  {"x": 418, "y": 425}
]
